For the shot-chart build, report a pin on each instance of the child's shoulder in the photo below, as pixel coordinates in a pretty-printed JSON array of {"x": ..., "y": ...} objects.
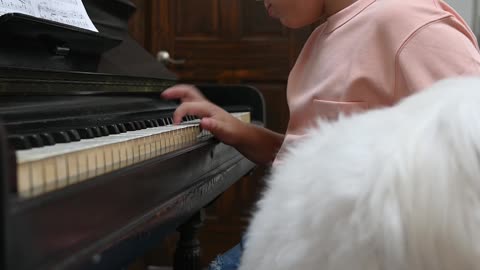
[
  {"x": 398, "y": 20},
  {"x": 407, "y": 14}
]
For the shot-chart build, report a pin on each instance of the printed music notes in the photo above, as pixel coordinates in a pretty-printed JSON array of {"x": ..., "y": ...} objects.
[
  {"x": 71, "y": 12},
  {"x": 22, "y": 6}
]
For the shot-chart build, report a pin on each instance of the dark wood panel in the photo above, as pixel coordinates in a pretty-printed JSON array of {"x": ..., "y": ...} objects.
[
  {"x": 255, "y": 22},
  {"x": 205, "y": 22},
  {"x": 224, "y": 61},
  {"x": 239, "y": 40},
  {"x": 139, "y": 23}
]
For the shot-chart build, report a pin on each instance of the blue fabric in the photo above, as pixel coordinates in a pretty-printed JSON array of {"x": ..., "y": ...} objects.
[{"x": 229, "y": 260}]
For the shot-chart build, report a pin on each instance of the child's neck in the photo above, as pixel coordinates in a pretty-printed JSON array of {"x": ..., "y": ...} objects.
[{"x": 334, "y": 6}]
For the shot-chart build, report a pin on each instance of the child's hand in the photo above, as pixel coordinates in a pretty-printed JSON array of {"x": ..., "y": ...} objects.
[
  {"x": 220, "y": 123},
  {"x": 256, "y": 143}
]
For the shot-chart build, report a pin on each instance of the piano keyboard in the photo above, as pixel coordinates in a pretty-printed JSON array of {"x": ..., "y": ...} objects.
[{"x": 49, "y": 168}]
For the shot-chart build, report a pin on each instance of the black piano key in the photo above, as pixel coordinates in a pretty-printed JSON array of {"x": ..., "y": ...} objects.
[
  {"x": 96, "y": 132},
  {"x": 130, "y": 126},
  {"x": 149, "y": 123},
  {"x": 162, "y": 122},
  {"x": 185, "y": 119},
  {"x": 137, "y": 125},
  {"x": 20, "y": 143},
  {"x": 85, "y": 133},
  {"x": 35, "y": 140},
  {"x": 143, "y": 124},
  {"x": 61, "y": 137},
  {"x": 74, "y": 135},
  {"x": 155, "y": 123},
  {"x": 47, "y": 139},
  {"x": 104, "y": 131},
  {"x": 170, "y": 120},
  {"x": 122, "y": 128},
  {"x": 113, "y": 129}
]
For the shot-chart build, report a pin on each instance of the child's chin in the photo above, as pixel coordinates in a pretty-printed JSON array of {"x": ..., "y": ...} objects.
[
  {"x": 294, "y": 24},
  {"x": 291, "y": 25}
]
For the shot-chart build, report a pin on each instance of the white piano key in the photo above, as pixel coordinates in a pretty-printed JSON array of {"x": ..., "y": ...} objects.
[
  {"x": 82, "y": 161},
  {"x": 62, "y": 171},
  {"x": 37, "y": 177},
  {"x": 24, "y": 182},
  {"x": 50, "y": 170},
  {"x": 72, "y": 165},
  {"x": 91, "y": 164}
]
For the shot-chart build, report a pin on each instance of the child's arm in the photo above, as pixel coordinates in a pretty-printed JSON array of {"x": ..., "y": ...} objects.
[{"x": 258, "y": 144}]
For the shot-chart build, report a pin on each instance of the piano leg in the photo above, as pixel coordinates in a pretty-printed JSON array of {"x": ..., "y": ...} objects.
[{"x": 187, "y": 253}]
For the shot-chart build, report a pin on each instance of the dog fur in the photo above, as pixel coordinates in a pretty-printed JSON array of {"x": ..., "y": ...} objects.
[{"x": 393, "y": 189}]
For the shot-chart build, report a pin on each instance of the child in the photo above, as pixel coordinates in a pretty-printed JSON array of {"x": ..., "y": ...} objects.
[{"x": 367, "y": 54}]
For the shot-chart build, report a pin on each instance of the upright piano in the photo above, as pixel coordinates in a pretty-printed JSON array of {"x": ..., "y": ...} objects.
[{"x": 92, "y": 171}]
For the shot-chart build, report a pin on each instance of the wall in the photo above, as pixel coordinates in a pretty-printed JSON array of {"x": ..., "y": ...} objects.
[{"x": 465, "y": 8}]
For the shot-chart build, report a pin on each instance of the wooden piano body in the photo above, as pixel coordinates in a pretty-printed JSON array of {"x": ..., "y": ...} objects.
[{"x": 104, "y": 221}]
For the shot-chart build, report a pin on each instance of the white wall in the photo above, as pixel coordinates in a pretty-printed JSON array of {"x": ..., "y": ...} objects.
[{"x": 465, "y": 9}]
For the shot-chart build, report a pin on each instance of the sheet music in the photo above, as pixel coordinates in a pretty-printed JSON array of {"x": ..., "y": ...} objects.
[{"x": 71, "y": 12}]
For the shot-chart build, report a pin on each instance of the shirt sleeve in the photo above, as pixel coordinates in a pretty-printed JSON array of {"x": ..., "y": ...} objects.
[{"x": 436, "y": 51}]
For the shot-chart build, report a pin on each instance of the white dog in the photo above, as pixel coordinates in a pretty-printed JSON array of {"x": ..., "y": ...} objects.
[{"x": 391, "y": 189}]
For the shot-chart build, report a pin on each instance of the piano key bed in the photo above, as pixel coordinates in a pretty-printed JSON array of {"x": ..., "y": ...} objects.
[{"x": 51, "y": 167}]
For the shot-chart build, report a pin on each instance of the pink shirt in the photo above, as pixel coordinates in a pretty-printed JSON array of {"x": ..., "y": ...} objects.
[{"x": 372, "y": 54}]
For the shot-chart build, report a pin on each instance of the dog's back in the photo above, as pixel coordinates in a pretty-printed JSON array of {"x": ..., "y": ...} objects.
[{"x": 396, "y": 188}]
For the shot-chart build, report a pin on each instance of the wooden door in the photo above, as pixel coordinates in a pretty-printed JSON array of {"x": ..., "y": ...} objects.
[{"x": 223, "y": 41}]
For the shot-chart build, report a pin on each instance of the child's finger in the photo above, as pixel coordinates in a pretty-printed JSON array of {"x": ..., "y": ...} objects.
[
  {"x": 215, "y": 127},
  {"x": 200, "y": 109},
  {"x": 219, "y": 129},
  {"x": 209, "y": 124}
]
